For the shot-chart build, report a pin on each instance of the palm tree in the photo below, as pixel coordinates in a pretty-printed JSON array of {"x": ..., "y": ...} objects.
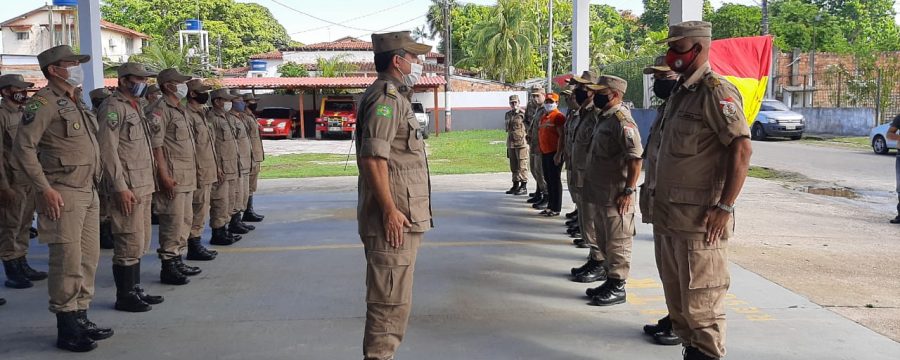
[
  {"x": 420, "y": 34},
  {"x": 506, "y": 42},
  {"x": 158, "y": 56},
  {"x": 435, "y": 19},
  {"x": 335, "y": 66}
]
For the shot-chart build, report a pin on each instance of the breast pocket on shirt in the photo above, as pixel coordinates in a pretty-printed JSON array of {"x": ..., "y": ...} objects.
[
  {"x": 135, "y": 130},
  {"x": 75, "y": 125},
  {"x": 688, "y": 128}
]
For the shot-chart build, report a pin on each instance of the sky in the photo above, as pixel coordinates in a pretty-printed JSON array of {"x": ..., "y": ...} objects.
[{"x": 359, "y": 17}]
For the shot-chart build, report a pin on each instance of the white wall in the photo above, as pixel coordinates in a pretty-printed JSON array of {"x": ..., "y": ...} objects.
[
  {"x": 115, "y": 45},
  {"x": 271, "y": 68},
  {"x": 39, "y": 39},
  {"x": 310, "y": 57},
  {"x": 485, "y": 99}
]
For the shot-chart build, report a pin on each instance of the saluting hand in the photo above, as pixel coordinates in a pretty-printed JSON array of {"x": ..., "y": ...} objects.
[
  {"x": 716, "y": 220},
  {"x": 395, "y": 223},
  {"x": 53, "y": 204},
  {"x": 127, "y": 201},
  {"x": 168, "y": 186}
]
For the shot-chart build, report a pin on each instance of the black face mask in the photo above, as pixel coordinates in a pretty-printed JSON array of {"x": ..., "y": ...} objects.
[
  {"x": 201, "y": 98},
  {"x": 663, "y": 88},
  {"x": 580, "y": 96},
  {"x": 600, "y": 101},
  {"x": 252, "y": 107}
]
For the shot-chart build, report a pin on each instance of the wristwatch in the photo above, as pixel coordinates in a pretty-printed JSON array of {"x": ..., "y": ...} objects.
[
  {"x": 726, "y": 208},
  {"x": 629, "y": 190}
]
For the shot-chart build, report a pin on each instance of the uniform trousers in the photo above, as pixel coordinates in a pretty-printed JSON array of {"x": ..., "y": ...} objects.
[
  {"x": 131, "y": 233},
  {"x": 15, "y": 223},
  {"x": 176, "y": 216},
  {"x": 74, "y": 242}
]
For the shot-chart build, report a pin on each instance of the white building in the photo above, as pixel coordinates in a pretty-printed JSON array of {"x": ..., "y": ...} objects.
[{"x": 36, "y": 31}]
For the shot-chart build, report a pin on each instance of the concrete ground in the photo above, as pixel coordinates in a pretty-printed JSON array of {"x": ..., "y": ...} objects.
[{"x": 491, "y": 284}]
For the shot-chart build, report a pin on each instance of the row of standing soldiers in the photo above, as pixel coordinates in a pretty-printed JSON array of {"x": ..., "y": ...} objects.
[
  {"x": 101, "y": 174},
  {"x": 696, "y": 160}
]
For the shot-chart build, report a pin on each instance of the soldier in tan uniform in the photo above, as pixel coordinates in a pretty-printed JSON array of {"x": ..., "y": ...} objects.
[
  {"x": 394, "y": 208},
  {"x": 16, "y": 213},
  {"x": 664, "y": 81},
  {"x": 257, "y": 153},
  {"x": 98, "y": 96},
  {"x": 127, "y": 162},
  {"x": 704, "y": 155},
  {"x": 222, "y": 192},
  {"x": 516, "y": 147},
  {"x": 207, "y": 167},
  {"x": 533, "y": 113},
  {"x": 57, "y": 125},
  {"x": 571, "y": 110},
  {"x": 245, "y": 162},
  {"x": 581, "y": 109},
  {"x": 614, "y": 166},
  {"x": 176, "y": 168}
]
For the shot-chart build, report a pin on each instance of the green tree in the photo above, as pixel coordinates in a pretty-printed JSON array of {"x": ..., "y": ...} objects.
[
  {"x": 245, "y": 28},
  {"x": 292, "y": 69},
  {"x": 159, "y": 56},
  {"x": 334, "y": 66},
  {"x": 504, "y": 39},
  {"x": 434, "y": 18},
  {"x": 656, "y": 13},
  {"x": 735, "y": 20}
]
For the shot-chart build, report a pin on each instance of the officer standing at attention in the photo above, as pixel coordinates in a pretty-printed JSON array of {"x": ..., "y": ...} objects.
[
  {"x": 127, "y": 162},
  {"x": 106, "y": 238},
  {"x": 57, "y": 124},
  {"x": 16, "y": 213},
  {"x": 257, "y": 153},
  {"x": 580, "y": 109},
  {"x": 176, "y": 168},
  {"x": 533, "y": 114},
  {"x": 245, "y": 161},
  {"x": 222, "y": 192},
  {"x": 568, "y": 130},
  {"x": 207, "y": 168},
  {"x": 394, "y": 208},
  {"x": 704, "y": 155},
  {"x": 614, "y": 163},
  {"x": 516, "y": 147},
  {"x": 664, "y": 80}
]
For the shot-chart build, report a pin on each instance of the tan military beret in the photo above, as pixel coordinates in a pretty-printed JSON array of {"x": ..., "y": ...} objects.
[
  {"x": 197, "y": 86},
  {"x": 513, "y": 98},
  {"x": 134, "y": 69},
  {"x": 398, "y": 40},
  {"x": 60, "y": 53},
  {"x": 688, "y": 29},
  {"x": 14, "y": 80},
  {"x": 610, "y": 82},
  {"x": 171, "y": 75},
  {"x": 222, "y": 93},
  {"x": 537, "y": 89},
  {"x": 659, "y": 65},
  {"x": 587, "y": 77},
  {"x": 99, "y": 94}
]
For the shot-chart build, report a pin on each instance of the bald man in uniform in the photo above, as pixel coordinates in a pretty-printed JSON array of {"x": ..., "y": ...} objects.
[
  {"x": 57, "y": 125},
  {"x": 704, "y": 156},
  {"x": 394, "y": 208}
]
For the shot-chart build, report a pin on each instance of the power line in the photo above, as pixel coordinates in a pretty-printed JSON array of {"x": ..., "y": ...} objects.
[
  {"x": 318, "y": 18},
  {"x": 392, "y": 26},
  {"x": 356, "y": 18}
]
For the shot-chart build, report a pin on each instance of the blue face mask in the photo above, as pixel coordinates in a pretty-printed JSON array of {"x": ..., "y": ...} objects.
[{"x": 239, "y": 106}]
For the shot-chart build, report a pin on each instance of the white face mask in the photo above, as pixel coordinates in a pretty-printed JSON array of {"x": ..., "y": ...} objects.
[
  {"x": 181, "y": 91},
  {"x": 76, "y": 75},
  {"x": 415, "y": 73},
  {"x": 227, "y": 106},
  {"x": 550, "y": 107}
]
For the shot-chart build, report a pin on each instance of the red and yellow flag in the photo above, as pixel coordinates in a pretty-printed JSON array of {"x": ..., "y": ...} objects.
[{"x": 745, "y": 62}]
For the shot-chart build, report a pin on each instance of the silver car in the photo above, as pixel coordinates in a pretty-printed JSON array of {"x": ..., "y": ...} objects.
[
  {"x": 776, "y": 120},
  {"x": 422, "y": 117},
  {"x": 878, "y": 139}
]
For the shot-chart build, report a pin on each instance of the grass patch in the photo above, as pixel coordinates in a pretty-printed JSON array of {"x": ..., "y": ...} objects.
[
  {"x": 853, "y": 142},
  {"x": 458, "y": 152},
  {"x": 765, "y": 173}
]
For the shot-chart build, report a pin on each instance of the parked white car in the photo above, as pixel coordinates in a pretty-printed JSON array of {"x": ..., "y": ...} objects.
[
  {"x": 777, "y": 120},
  {"x": 422, "y": 117},
  {"x": 878, "y": 139}
]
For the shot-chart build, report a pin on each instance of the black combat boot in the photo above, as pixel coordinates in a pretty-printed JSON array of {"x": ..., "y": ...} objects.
[
  {"x": 32, "y": 232},
  {"x": 513, "y": 189},
  {"x": 186, "y": 269},
  {"x": 236, "y": 226},
  {"x": 579, "y": 242},
  {"x": 250, "y": 215},
  {"x": 522, "y": 190},
  {"x": 220, "y": 237},
  {"x": 106, "y": 235},
  {"x": 590, "y": 264},
  {"x": 246, "y": 225},
  {"x": 612, "y": 292},
  {"x": 15, "y": 275},
  {"x": 70, "y": 336},
  {"x": 197, "y": 252},
  {"x": 662, "y": 332},
  {"x": 572, "y": 214},
  {"x": 139, "y": 290},
  {"x": 574, "y": 230},
  {"x": 170, "y": 274},
  {"x": 595, "y": 272},
  {"x": 233, "y": 236},
  {"x": 536, "y": 198},
  {"x": 542, "y": 205},
  {"x": 692, "y": 353},
  {"x": 92, "y": 331},
  {"x": 571, "y": 223},
  {"x": 30, "y": 273},
  {"x": 126, "y": 298}
]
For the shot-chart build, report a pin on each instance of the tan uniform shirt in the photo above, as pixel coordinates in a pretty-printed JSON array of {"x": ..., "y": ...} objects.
[
  {"x": 388, "y": 129},
  {"x": 572, "y": 121},
  {"x": 10, "y": 118},
  {"x": 703, "y": 117},
  {"x": 651, "y": 153},
  {"x": 616, "y": 140},
  {"x": 127, "y": 159},
  {"x": 515, "y": 129},
  {"x": 207, "y": 167},
  {"x": 56, "y": 144},
  {"x": 242, "y": 137},
  {"x": 581, "y": 141},
  {"x": 176, "y": 138},
  {"x": 534, "y": 130},
  {"x": 257, "y": 153},
  {"x": 225, "y": 143}
]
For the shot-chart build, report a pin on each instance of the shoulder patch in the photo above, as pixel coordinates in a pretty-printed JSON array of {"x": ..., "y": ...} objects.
[
  {"x": 113, "y": 119},
  {"x": 621, "y": 116},
  {"x": 390, "y": 90},
  {"x": 35, "y": 104},
  {"x": 713, "y": 82},
  {"x": 27, "y": 117},
  {"x": 629, "y": 131},
  {"x": 729, "y": 108},
  {"x": 384, "y": 110}
]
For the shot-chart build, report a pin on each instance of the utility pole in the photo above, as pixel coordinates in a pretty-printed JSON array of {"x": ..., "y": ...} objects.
[
  {"x": 765, "y": 17},
  {"x": 550, "y": 52},
  {"x": 220, "y": 51},
  {"x": 448, "y": 60}
]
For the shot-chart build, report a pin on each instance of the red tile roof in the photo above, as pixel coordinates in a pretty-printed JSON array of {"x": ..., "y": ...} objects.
[
  {"x": 317, "y": 82},
  {"x": 346, "y": 43},
  {"x": 276, "y": 55},
  {"x": 121, "y": 29},
  {"x": 20, "y": 21}
]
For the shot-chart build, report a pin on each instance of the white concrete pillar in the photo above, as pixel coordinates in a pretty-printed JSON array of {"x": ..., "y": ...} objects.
[
  {"x": 581, "y": 32},
  {"x": 89, "y": 33},
  {"x": 685, "y": 10}
]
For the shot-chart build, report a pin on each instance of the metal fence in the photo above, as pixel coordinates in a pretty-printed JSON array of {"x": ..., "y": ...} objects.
[
  {"x": 878, "y": 89},
  {"x": 633, "y": 72}
]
